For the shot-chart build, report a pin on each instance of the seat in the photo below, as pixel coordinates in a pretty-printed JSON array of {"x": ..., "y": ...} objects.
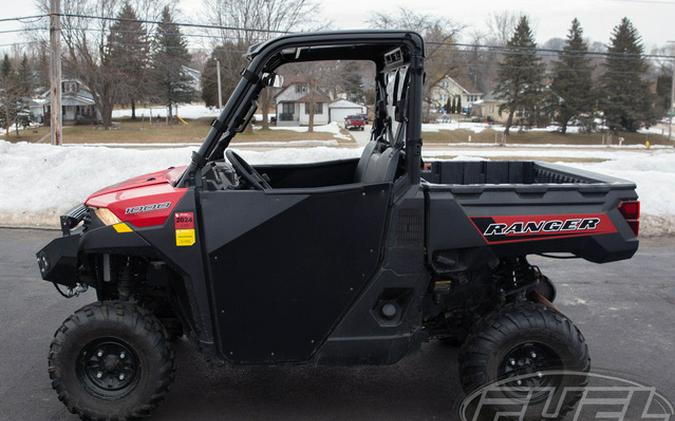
[{"x": 378, "y": 163}]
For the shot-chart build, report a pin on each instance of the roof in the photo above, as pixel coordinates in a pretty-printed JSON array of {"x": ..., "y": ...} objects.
[
  {"x": 75, "y": 99},
  {"x": 314, "y": 96},
  {"x": 343, "y": 103},
  {"x": 466, "y": 84}
]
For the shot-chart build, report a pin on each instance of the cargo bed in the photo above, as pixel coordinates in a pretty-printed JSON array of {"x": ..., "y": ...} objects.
[{"x": 471, "y": 203}]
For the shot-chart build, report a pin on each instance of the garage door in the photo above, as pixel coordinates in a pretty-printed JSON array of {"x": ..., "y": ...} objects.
[{"x": 339, "y": 114}]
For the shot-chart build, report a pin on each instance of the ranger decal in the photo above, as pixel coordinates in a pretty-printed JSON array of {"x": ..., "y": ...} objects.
[{"x": 510, "y": 228}]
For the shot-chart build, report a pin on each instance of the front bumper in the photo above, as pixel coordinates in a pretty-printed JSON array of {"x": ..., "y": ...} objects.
[{"x": 58, "y": 260}]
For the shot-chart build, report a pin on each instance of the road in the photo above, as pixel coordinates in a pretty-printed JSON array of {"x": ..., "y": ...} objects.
[
  {"x": 625, "y": 310},
  {"x": 362, "y": 137}
]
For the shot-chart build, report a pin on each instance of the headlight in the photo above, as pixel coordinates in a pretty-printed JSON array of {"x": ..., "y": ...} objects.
[{"x": 106, "y": 216}]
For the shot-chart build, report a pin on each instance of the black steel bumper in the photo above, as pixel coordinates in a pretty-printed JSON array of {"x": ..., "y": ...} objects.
[{"x": 58, "y": 259}]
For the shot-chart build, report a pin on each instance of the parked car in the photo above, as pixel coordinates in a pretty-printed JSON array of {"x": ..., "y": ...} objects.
[
  {"x": 356, "y": 121},
  {"x": 347, "y": 262}
]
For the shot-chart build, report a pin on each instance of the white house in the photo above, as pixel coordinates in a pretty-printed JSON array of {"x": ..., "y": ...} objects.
[
  {"x": 338, "y": 110},
  {"x": 77, "y": 103},
  {"x": 454, "y": 89},
  {"x": 293, "y": 102}
]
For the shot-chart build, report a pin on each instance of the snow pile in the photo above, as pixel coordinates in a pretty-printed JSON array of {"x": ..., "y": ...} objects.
[
  {"x": 41, "y": 181},
  {"x": 655, "y": 178}
]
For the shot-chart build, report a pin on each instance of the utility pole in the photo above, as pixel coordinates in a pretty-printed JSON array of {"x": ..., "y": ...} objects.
[
  {"x": 56, "y": 131},
  {"x": 220, "y": 92}
]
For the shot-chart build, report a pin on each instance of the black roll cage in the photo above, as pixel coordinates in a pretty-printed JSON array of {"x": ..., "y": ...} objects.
[{"x": 341, "y": 45}]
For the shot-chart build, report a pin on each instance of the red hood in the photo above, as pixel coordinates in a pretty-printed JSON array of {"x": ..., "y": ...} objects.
[
  {"x": 169, "y": 175},
  {"x": 132, "y": 200}
]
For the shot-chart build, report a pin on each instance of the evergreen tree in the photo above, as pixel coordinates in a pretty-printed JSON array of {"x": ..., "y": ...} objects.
[
  {"x": 25, "y": 78},
  {"x": 170, "y": 57},
  {"x": 453, "y": 107},
  {"x": 458, "y": 107},
  {"x": 7, "y": 88},
  {"x": 352, "y": 81},
  {"x": 129, "y": 47},
  {"x": 448, "y": 106},
  {"x": 626, "y": 100},
  {"x": 520, "y": 75},
  {"x": 572, "y": 84},
  {"x": 231, "y": 63}
]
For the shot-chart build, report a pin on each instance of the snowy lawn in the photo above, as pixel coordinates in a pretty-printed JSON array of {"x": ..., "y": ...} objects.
[{"x": 40, "y": 181}]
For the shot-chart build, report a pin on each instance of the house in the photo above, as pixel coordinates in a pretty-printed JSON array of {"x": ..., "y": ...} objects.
[
  {"x": 338, "y": 110},
  {"x": 292, "y": 104},
  {"x": 488, "y": 109},
  {"x": 455, "y": 89},
  {"x": 77, "y": 104}
]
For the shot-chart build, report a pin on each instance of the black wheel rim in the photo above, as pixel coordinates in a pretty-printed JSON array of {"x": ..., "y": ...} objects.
[
  {"x": 108, "y": 368},
  {"x": 528, "y": 363}
]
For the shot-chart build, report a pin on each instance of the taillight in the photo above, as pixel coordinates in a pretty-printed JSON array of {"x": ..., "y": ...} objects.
[{"x": 631, "y": 212}]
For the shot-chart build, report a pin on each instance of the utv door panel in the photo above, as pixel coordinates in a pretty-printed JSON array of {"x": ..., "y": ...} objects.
[{"x": 285, "y": 265}]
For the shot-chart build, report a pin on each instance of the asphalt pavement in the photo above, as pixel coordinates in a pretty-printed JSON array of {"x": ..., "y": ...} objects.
[{"x": 625, "y": 309}]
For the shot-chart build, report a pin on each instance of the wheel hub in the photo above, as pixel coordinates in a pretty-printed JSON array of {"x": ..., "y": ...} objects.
[
  {"x": 108, "y": 367},
  {"x": 528, "y": 363}
]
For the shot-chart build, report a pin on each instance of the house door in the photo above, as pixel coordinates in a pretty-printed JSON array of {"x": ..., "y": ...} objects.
[{"x": 285, "y": 265}]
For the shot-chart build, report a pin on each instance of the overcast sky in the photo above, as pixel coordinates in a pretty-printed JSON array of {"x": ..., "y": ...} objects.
[{"x": 655, "y": 19}]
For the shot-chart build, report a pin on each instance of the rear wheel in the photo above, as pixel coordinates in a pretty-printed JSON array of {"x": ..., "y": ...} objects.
[
  {"x": 516, "y": 346},
  {"x": 111, "y": 360}
]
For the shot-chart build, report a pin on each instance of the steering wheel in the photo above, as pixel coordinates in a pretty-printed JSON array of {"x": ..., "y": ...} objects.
[{"x": 246, "y": 171}]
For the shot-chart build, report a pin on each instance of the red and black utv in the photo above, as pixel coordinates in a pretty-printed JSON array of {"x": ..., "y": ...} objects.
[{"x": 347, "y": 262}]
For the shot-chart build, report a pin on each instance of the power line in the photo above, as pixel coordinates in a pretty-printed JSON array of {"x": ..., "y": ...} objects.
[
  {"x": 184, "y": 24},
  {"x": 22, "y": 18},
  {"x": 516, "y": 50},
  {"x": 11, "y": 31}
]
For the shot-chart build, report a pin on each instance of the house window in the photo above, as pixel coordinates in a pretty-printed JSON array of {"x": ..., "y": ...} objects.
[
  {"x": 287, "y": 107},
  {"x": 318, "y": 108},
  {"x": 300, "y": 88},
  {"x": 69, "y": 87}
]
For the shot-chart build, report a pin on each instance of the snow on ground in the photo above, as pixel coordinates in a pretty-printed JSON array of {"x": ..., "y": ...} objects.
[
  {"x": 479, "y": 127},
  {"x": 191, "y": 111},
  {"x": 332, "y": 128},
  {"x": 41, "y": 181},
  {"x": 195, "y": 111}
]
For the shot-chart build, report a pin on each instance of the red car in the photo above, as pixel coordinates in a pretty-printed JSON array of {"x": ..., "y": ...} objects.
[{"x": 357, "y": 122}]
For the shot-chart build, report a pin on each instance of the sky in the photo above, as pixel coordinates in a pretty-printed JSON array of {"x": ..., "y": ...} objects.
[{"x": 653, "y": 18}]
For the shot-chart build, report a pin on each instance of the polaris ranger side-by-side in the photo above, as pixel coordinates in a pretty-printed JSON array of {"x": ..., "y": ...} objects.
[{"x": 347, "y": 262}]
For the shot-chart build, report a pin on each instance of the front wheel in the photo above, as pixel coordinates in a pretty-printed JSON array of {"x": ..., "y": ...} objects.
[
  {"x": 111, "y": 360},
  {"x": 528, "y": 353}
]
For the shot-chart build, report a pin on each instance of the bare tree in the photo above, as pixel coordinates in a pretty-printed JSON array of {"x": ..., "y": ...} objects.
[
  {"x": 258, "y": 20},
  {"x": 87, "y": 55},
  {"x": 501, "y": 26},
  {"x": 442, "y": 57}
]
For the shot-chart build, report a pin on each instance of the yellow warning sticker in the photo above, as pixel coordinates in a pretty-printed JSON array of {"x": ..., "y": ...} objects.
[
  {"x": 185, "y": 237},
  {"x": 121, "y": 227}
]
